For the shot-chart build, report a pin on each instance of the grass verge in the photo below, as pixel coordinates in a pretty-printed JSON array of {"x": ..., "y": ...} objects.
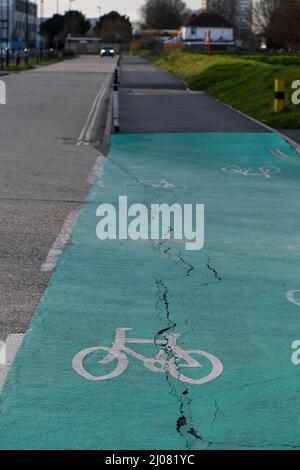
[{"x": 244, "y": 81}]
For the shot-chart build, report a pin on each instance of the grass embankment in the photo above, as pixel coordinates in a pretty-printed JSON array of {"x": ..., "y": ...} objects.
[{"x": 245, "y": 82}]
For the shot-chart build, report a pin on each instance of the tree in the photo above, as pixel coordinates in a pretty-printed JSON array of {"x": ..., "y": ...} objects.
[
  {"x": 75, "y": 23},
  {"x": 164, "y": 14},
  {"x": 114, "y": 27},
  {"x": 56, "y": 29},
  {"x": 278, "y": 22},
  {"x": 51, "y": 29},
  {"x": 229, "y": 9}
]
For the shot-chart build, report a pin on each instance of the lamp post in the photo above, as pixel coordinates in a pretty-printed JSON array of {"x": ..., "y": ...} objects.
[
  {"x": 70, "y": 4},
  {"x": 7, "y": 24},
  {"x": 42, "y": 12},
  {"x": 26, "y": 24},
  {"x": 7, "y": 33}
]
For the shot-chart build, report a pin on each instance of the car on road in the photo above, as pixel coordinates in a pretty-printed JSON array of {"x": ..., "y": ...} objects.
[{"x": 107, "y": 52}]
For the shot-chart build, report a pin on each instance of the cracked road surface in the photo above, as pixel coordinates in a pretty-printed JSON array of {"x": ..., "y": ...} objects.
[
  {"x": 143, "y": 345},
  {"x": 228, "y": 300}
]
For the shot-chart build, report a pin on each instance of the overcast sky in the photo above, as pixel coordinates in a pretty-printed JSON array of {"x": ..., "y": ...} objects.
[{"x": 90, "y": 7}]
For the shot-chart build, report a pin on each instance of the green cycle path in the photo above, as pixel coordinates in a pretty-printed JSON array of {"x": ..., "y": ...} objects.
[{"x": 229, "y": 300}]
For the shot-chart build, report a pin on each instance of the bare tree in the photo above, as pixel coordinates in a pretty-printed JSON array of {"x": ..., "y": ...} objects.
[
  {"x": 278, "y": 22},
  {"x": 229, "y": 9},
  {"x": 164, "y": 14}
]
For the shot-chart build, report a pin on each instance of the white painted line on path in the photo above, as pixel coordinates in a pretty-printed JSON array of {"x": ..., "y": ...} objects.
[
  {"x": 9, "y": 350},
  {"x": 60, "y": 243}
]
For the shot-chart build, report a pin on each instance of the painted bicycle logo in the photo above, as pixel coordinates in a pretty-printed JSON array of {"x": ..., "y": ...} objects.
[
  {"x": 171, "y": 359},
  {"x": 292, "y": 297},
  {"x": 265, "y": 171}
]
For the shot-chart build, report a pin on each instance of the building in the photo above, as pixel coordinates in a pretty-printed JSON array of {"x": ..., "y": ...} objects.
[
  {"x": 18, "y": 24},
  {"x": 245, "y": 14},
  {"x": 195, "y": 30}
]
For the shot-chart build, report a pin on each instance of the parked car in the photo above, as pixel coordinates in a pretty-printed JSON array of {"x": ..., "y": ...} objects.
[{"x": 107, "y": 52}]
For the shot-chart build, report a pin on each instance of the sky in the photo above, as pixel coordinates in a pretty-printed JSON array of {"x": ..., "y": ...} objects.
[{"x": 90, "y": 7}]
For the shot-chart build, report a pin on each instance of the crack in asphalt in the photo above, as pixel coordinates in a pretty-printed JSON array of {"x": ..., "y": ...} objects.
[
  {"x": 211, "y": 268},
  {"x": 216, "y": 412},
  {"x": 190, "y": 266},
  {"x": 185, "y": 424}
]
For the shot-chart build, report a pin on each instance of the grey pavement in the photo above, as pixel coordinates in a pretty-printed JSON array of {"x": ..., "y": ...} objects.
[
  {"x": 43, "y": 175},
  {"x": 155, "y": 101},
  {"x": 293, "y": 134}
]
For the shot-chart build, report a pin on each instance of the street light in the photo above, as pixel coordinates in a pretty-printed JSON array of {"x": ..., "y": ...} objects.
[
  {"x": 70, "y": 4},
  {"x": 26, "y": 23},
  {"x": 42, "y": 11},
  {"x": 7, "y": 24}
]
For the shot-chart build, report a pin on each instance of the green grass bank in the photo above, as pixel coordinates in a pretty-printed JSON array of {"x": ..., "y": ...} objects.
[{"x": 244, "y": 81}]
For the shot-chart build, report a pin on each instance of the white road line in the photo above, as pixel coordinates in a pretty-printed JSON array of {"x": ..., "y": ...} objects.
[
  {"x": 87, "y": 122},
  {"x": 95, "y": 172},
  {"x": 93, "y": 121},
  {"x": 289, "y": 140},
  {"x": 278, "y": 154},
  {"x": 59, "y": 245},
  {"x": 87, "y": 129},
  {"x": 11, "y": 347}
]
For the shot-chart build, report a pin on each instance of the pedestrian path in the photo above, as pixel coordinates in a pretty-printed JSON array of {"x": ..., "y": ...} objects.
[
  {"x": 229, "y": 303},
  {"x": 154, "y": 101}
]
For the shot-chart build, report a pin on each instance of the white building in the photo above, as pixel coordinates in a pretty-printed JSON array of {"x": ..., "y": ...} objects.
[
  {"x": 245, "y": 13},
  {"x": 197, "y": 27}
]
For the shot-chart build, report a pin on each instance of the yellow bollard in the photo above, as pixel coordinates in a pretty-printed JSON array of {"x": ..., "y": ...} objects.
[{"x": 279, "y": 97}]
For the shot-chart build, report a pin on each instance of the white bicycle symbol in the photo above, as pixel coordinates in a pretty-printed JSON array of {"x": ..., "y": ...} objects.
[
  {"x": 166, "y": 360},
  {"x": 265, "y": 171},
  {"x": 158, "y": 184},
  {"x": 291, "y": 297}
]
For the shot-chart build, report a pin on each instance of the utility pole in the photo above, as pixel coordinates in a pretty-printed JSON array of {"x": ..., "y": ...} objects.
[
  {"x": 1, "y": 30},
  {"x": 27, "y": 23},
  {"x": 7, "y": 33},
  {"x": 42, "y": 13},
  {"x": 57, "y": 7},
  {"x": 8, "y": 22}
]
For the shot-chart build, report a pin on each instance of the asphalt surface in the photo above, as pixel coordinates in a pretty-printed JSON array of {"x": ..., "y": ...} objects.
[
  {"x": 293, "y": 134},
  {"x": 43, "y": 173},
  {"x": 154, "y": 101}
]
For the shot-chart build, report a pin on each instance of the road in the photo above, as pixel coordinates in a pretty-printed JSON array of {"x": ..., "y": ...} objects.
[
  {"x": 44, "y": 174},
  {"x": 233, "y": 307}
]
